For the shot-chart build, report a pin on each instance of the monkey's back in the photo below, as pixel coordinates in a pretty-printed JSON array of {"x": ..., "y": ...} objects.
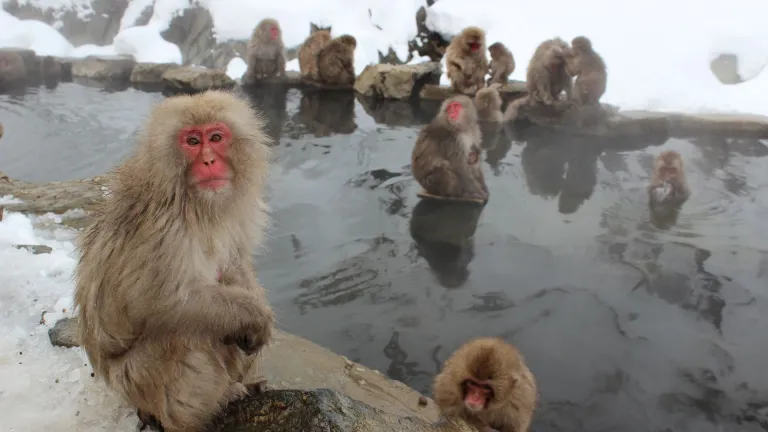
[
  {"x": 308, "y": 52},
  {"x": 335, "y": 63}
]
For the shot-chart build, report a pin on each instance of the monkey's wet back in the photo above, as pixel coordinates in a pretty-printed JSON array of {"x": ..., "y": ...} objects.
[{"x": 626, "y": 326}]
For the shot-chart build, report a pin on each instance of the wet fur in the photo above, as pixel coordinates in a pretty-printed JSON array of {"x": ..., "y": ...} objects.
[
  {"x": 467, "y": 69},
  {"x": 680, "y": 190},
  {"x": 502, "y": 64},
  {"x": 266, "y": 57},
  {"x": 336, "y": 61},
  {"x": 440, "y": 157},
  {"x": 503, "y": 367},
  {"x": 308, "y": 53},
  {"x": 590, "y": 72},
  {"x": 154, "y": 321},
  {"x": 547, "y": 76}
]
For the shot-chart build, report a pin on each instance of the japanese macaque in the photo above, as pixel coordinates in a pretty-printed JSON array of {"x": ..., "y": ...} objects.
[
  {"x": 547, "y": 77},
  {"x": 590, "y": 72},
  {"x": 171, "y": 313},
  {"x": 446, "y": 158},
  {"x": 502, "y": 64},
  {"x": 50, "y": 69},
  {"x": 489, "y": 116},
  {"x": 266, "y": 52},
  {"x": 308, "y": 52},
  {"x": 668, "y": 185},
  {"x": 466, "y": 62},
  {"x": 336, "y": 61},
  {"x": 487, "y": 384},
  {"x": 13, "y": 71}
]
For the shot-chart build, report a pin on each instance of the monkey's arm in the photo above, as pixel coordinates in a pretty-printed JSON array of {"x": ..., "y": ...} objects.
[{"x": 280, "y": 63}]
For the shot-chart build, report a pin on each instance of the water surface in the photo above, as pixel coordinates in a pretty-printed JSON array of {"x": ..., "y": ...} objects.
[{"x": 626, "y": 326}]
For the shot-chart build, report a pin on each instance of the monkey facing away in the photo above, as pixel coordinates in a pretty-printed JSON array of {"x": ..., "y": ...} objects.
[
  {"x": 266, "y": 52},
  {"x": 590, "y": 72},
  {"x": 486, "y": 383},
  {"x": 336, "y": 61},
  {"x": 668, "y": 185},
  {"x": 489, "y": 116},
  {"x": 445, "y": 160},
  {"x": 171, "y": 313},
  {"x": 466, "y": 62},
  {"x": 502, "y": 64},
  {"x": 309, "y": 50},
  {"x": 547, "y": 76}
]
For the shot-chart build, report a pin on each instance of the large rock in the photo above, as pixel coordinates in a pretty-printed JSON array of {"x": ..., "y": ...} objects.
[
  {"x": 196, "y": 78},
  {"x": 150, "y": 73},
  {"x": 512, "y": 90},
  {"x": 387, "y": 81},
  {"x": 726, "y": 68},
  {"x": 104, "y": 68},
  {"x": 192, "y": 31}
]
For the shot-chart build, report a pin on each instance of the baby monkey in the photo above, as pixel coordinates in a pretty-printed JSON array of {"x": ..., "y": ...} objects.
[
  {"x": 668, "y": 185},
  {"x": 502, "y": 64},
  {"x": 487, "y": 384},
  {"x": 589, "y": 69}
]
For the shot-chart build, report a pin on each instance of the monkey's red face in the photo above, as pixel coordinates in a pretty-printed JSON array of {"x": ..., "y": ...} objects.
[
  {"x": 474, "y": 46},
  {"x": 206, "y": 148},
  {"x": 476, "y": 394},
  {"x": 668, "y": 172},
  {"x": 453, "y": 110},
  {"x": 273, "y": 32}
]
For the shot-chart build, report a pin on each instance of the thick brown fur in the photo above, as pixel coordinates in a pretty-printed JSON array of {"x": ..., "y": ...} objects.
[
  {"x": 13, "y": 71},
  {"x": 445, "y": 159},
  {"x": 308, "y": 53},
  {"x": 502, "y": 64},
  {"x": 488, "y": 104},
  {"x": 547, "y": 77},
  {"x": 501, "y": 365},
  {"x": 266, "y": 57},
  {"x": 669, "y": 160},
  {"x": 590, "y": 72},
  {"x": 466, "y": 68},
  {"x": 336, "y": 61},
  {"x": 157, "y": 325}
]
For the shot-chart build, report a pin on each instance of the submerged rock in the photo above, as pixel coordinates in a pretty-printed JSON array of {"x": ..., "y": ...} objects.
[
  {"x": 386, "y": 81},
  {"x": 196, "y": 78},
  {"x": 150, "y": 73},
  {"x": 104, "y": 68}
]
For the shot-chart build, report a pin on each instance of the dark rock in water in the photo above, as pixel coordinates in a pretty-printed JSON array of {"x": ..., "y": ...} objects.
[
  {"x": 64, "y": 333},
  {"x": 195, "y": 79},
  {"x": 319, "y": 410},
  {"x": 150, "y": 73},
  {"x": 104, "y": 68},
  {"x": 385, "y": 81},
  {"x": 35, "y": 249}
]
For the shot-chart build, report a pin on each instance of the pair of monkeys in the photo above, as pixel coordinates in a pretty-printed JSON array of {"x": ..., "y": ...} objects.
[
  {"x": 321, "y": 59},
  {"x": 467, "y": 64}
]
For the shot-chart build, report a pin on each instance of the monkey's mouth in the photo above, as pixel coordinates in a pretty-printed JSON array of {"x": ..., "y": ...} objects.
[
  {"x": 212, "y": 183},
  {"x": 474, "y": 46}
]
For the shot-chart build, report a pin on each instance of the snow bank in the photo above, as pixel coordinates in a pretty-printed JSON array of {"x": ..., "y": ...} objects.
[
  {"x": 657, "y": 51},
  {"x": 43, "y": 387}
]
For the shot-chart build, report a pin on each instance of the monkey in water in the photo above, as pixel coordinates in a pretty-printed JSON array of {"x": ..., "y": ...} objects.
[
  {"x": 171, "y": 313},
  {"x": 309, "y": 50},
  {"x": 487, "y": 384},
  {"x": 668, "y": 186},
  {"x": 466, "y": 62},
  {"x": 502, "y": 64},
  {"x": 590, "y": 72},
  {"x": 13, "y": 70},
  {"x": 266, "y": 52},
  {"x": 547, "y": 76},
  {"x": 446, "y": 158},
  {"x": 489, "y": 116},
  {"x": 336, "y": 61}
]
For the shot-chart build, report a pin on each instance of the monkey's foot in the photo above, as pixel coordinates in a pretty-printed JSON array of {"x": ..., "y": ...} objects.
[
  {"x": 257, "y": 387},
  {"x": 147, "y": 420}
]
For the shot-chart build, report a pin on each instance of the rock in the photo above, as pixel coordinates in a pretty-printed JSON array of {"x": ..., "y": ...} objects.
[
  {"x": 35, "y": 249},
  {"x": 104, "y": 68},
  {"x": 291, "y": 79},
  {"x": 13, "y": 69},
  {"x": 510, "y": 91},
  {"x": 64, "y": 333},
  {"x": 726, "y": 68},
  {"x": 319, "y": 410},
  {"x": 385, "y": 81},
  {"x": 66, "y": 67},
  {"x": 196, "y": 78},
  {"x": 150, "y": 73},
  {"x": 55, "y": 197},
  {"x": 427, "y": 42},
  {"x": 711, "y": 125},
  {"x": 192, "y": 31}
]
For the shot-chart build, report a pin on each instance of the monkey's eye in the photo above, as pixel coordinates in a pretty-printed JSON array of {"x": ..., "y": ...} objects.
[
  {"x": 193, "y": 141},
  {"x": 216, "y": 137}
]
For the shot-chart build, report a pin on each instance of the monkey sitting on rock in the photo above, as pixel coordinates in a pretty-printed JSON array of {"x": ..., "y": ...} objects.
[
  {"x": 336, "y": 61},
  {"x": 266, "y": 52},
  {"x": 466, "y": 62},
  {"x": 589, "y": 69}
]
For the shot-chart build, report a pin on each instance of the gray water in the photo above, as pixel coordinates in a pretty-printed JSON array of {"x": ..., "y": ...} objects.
[{"x": 627, "y": 327}]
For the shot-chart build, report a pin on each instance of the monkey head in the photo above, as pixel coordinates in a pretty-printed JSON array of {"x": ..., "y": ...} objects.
[
  {"x": 668, "y": 165},
  {"x": 348, "y": 40},
  {"x": 496, "y": 50},
  {"x": 490, "y": 376},
  {"x": 459, "y": 111},
  {"x": 581, "y": 44},
  {"x": 270, "y": 28},
  {"x": 474, "y": 38}
]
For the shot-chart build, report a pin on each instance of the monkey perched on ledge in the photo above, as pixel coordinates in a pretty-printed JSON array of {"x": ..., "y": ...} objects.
[
  {"x": 547, "y": 76},
  {"x": 466, "y": 62},
  {"x": 171, "y": 313},
  {"x": 590, "y": 72},
  {"x": 266, "y": 52},
  {"x": 502, "y": 64},
  {"x": 308, "y": 51},
  {"x": 336, "y": 61}
]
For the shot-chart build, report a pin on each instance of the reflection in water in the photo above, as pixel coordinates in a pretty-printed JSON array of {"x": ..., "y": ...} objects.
[
  {"x": 494, "y": 155},
  {"x": 443, "y": 232},
  {"x": 326, "y": 113},
  {"x": 580, "y": 178},
  {"x": 270, "y": 100},
  {"x": 544, "y": 168}
]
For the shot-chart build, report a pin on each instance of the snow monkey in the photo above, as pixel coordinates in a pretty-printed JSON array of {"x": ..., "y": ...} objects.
[
  {"x": 489, "y": 116},
  {"x": 502, "y": 64},
  {"x": 466, "y": 62},
  {"x": 486, "y": 383},
  {"x": 547, "y": 77},
  {"x": 590, "y": 72},
  {"x": 445, "y": 159},
  {"x": 668, "y": 184},
  {"x": 308, "y": 52},
  {"x": 336, "y": 61},
  {"x": 171, "y": 313},
  {"x": 266, "y": 52}
]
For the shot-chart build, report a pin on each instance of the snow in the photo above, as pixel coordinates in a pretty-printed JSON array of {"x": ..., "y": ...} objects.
[
  {"x": 46, "y": 388},
  {"x": 236, "y": 68}
]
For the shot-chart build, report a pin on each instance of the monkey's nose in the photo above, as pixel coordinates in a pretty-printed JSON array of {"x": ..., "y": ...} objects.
[{"x": 210, "y": 161}]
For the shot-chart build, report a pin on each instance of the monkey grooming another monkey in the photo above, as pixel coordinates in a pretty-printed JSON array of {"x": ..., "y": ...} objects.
[
  {"x": 445, "y": 160},
  {"x": 171, "y": 313},
  {"x": 668, "y": 185},
  {"x": 266, "y": 52},
  {"x": 502, "y": 64},
  {"x": 590, "y": 72},
  {"x": 547, "y": 76},
  {"x": 309, "y": 50},
  {"x": 466, "y": 62},
  {"x": 336, "y": 61},
  {"x": 487, "y": 384}
]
